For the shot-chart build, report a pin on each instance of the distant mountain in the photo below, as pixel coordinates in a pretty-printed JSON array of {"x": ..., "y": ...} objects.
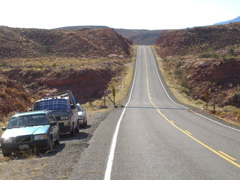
[
  {"x": 230, "y": 21},
  {"x": 137, "y": 36},
  {"x": 80, "y": 27}
]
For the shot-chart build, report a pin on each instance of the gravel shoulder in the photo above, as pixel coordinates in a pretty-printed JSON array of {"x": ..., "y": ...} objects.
[{"x": 54, "y": 165}]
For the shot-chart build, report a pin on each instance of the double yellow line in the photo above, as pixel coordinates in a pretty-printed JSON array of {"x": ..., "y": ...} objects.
[{"x": 219, "y": 153}]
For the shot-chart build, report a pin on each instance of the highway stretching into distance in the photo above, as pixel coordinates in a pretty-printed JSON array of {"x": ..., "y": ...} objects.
[{"x": 155, "y": 137}]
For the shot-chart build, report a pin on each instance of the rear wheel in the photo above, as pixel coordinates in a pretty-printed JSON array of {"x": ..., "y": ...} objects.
[
  {"x": 50, "y": 146},
  {"x": 72, "y": 133},
  {"x": 77, "y": 127},
  {"x": 57, "y": 141}
]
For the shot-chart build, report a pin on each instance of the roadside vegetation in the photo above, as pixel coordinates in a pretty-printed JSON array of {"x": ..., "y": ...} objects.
[{"x": 177, "y": 79}]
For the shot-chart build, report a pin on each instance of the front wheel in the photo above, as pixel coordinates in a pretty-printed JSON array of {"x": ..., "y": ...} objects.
[{"x": 5, "y": 154}]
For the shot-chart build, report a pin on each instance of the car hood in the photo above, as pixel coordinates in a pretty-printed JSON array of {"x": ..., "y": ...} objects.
[{"x": 33, "y": 130}]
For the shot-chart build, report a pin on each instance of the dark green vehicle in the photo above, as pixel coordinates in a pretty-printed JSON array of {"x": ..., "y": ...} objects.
[{"x": 30, "y": 130}]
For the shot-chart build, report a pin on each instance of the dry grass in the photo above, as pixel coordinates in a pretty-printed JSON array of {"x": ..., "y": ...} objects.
[{"x": 122, "y": 85}]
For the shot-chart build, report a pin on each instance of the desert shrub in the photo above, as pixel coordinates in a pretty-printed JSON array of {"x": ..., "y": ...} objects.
[
  {"x": 39, "y": 93},
  {"x": 178, "y": 65},
  {"x": 228, "y": 108},
  {"x": 215, "y": 55},
  {"x": 185, "y": 90},
  {"x": 24, "y": 96},
  {"x": 33, "y": 85},
  {"x": 19, "y": 106},
  {"x": 8, "y": 91},
  {"x": 3, "y": 95},
  {"x": 236, "y": 111},
  {"x": 54, "y": 65},
  {"x": 231, "y": 52},
  {"x": 178, "y": 73},
  {"x": 205, "y": 55},
  {"x": 236, "y": 97},
  {"x": 184, "y": 82},
  {"x": 4, "y": 64},
  {"x": 218, "y": 113},
  {"x": 199, "y": 101}
]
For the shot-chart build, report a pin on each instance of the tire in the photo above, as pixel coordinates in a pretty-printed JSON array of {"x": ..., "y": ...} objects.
[
  {"x": 77, "y": 128},
  {"x": 57, "y": 142},
  {"x": 6, "y": 154},
  {"x": 50, "y": 146},
  {"x": 72, "y": 133}
]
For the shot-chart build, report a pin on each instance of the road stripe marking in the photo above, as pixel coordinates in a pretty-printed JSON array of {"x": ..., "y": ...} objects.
[
  {"x": 227, "y": 156},
  {"x": 188, "y": 132},
  {"x": 185, "y": 132}
]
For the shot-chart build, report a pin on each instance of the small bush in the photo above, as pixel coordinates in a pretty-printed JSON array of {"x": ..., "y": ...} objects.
[
  {"x": 39, "y": 93},
  {"x": 33, "y": 85},
  {"x": 24, "y": 96},
  {"x": 205, "y": 55},
  {"x": 236, "y": 97},
  {"x": 3, "y": 95},
  {"x": 228, "y": 108},
  {"x": 185, "y": 90},
  {"x": 236, "y": 111},
  {"x": 200, "y": 102},
  {"x": 8, "y": 91},
  {"x": 19, "y": 106}
]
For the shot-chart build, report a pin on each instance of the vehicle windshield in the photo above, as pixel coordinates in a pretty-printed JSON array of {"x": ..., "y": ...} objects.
[
  {"x": 79, "y": 108},
  {"x": 30, "y": 120}
]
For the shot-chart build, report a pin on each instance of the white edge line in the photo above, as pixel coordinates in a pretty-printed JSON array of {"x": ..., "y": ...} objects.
[
  {"x": 185, "y": 106},
  {"x": 108, "y": 171}
]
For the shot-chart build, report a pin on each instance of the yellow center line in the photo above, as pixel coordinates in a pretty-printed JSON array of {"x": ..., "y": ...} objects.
[
  {"x": 227, "y": 156},
  {"x": 221, "y": 154}
]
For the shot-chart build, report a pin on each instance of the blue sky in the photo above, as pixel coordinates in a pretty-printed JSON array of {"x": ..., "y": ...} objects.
[{"x": 127, "y": 14}]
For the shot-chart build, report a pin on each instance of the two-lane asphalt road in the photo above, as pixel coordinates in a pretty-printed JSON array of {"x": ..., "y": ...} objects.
[{"x": 155, "y": 137}]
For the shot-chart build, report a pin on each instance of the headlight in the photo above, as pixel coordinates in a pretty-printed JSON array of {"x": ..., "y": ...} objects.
[
  {"x": 63, "y": 118},
  {"x": 7, "y": 140},
  {"x": 40, "y": 137}
]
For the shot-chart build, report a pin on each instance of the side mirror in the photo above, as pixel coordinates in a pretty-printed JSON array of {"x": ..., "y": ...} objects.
[
  {"x": 73, "y": 106},
  {"x": 4, "y": 129},
  {"x": 53, "y": 124}
]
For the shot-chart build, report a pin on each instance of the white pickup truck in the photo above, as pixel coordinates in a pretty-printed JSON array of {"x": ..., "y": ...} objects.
[{"x": 64, "y": 108}]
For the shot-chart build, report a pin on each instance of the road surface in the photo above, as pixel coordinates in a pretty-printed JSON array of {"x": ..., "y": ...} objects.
[{"x": 155, "y": 137}]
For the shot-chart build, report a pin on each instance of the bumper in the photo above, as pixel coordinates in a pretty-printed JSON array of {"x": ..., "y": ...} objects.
[
  {"x": 81, "y": 121},
  {"x": 64, "y": 129},
  {"x": 13, "y": 147}
]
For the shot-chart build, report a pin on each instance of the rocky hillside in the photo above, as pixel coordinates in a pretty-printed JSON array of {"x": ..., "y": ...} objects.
[
  {"x": 36, "y": 62},
  {"x": 199, "y": 39},
  {"x": 204, "y": 59},
  {"x": 15, "y": 42}
]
